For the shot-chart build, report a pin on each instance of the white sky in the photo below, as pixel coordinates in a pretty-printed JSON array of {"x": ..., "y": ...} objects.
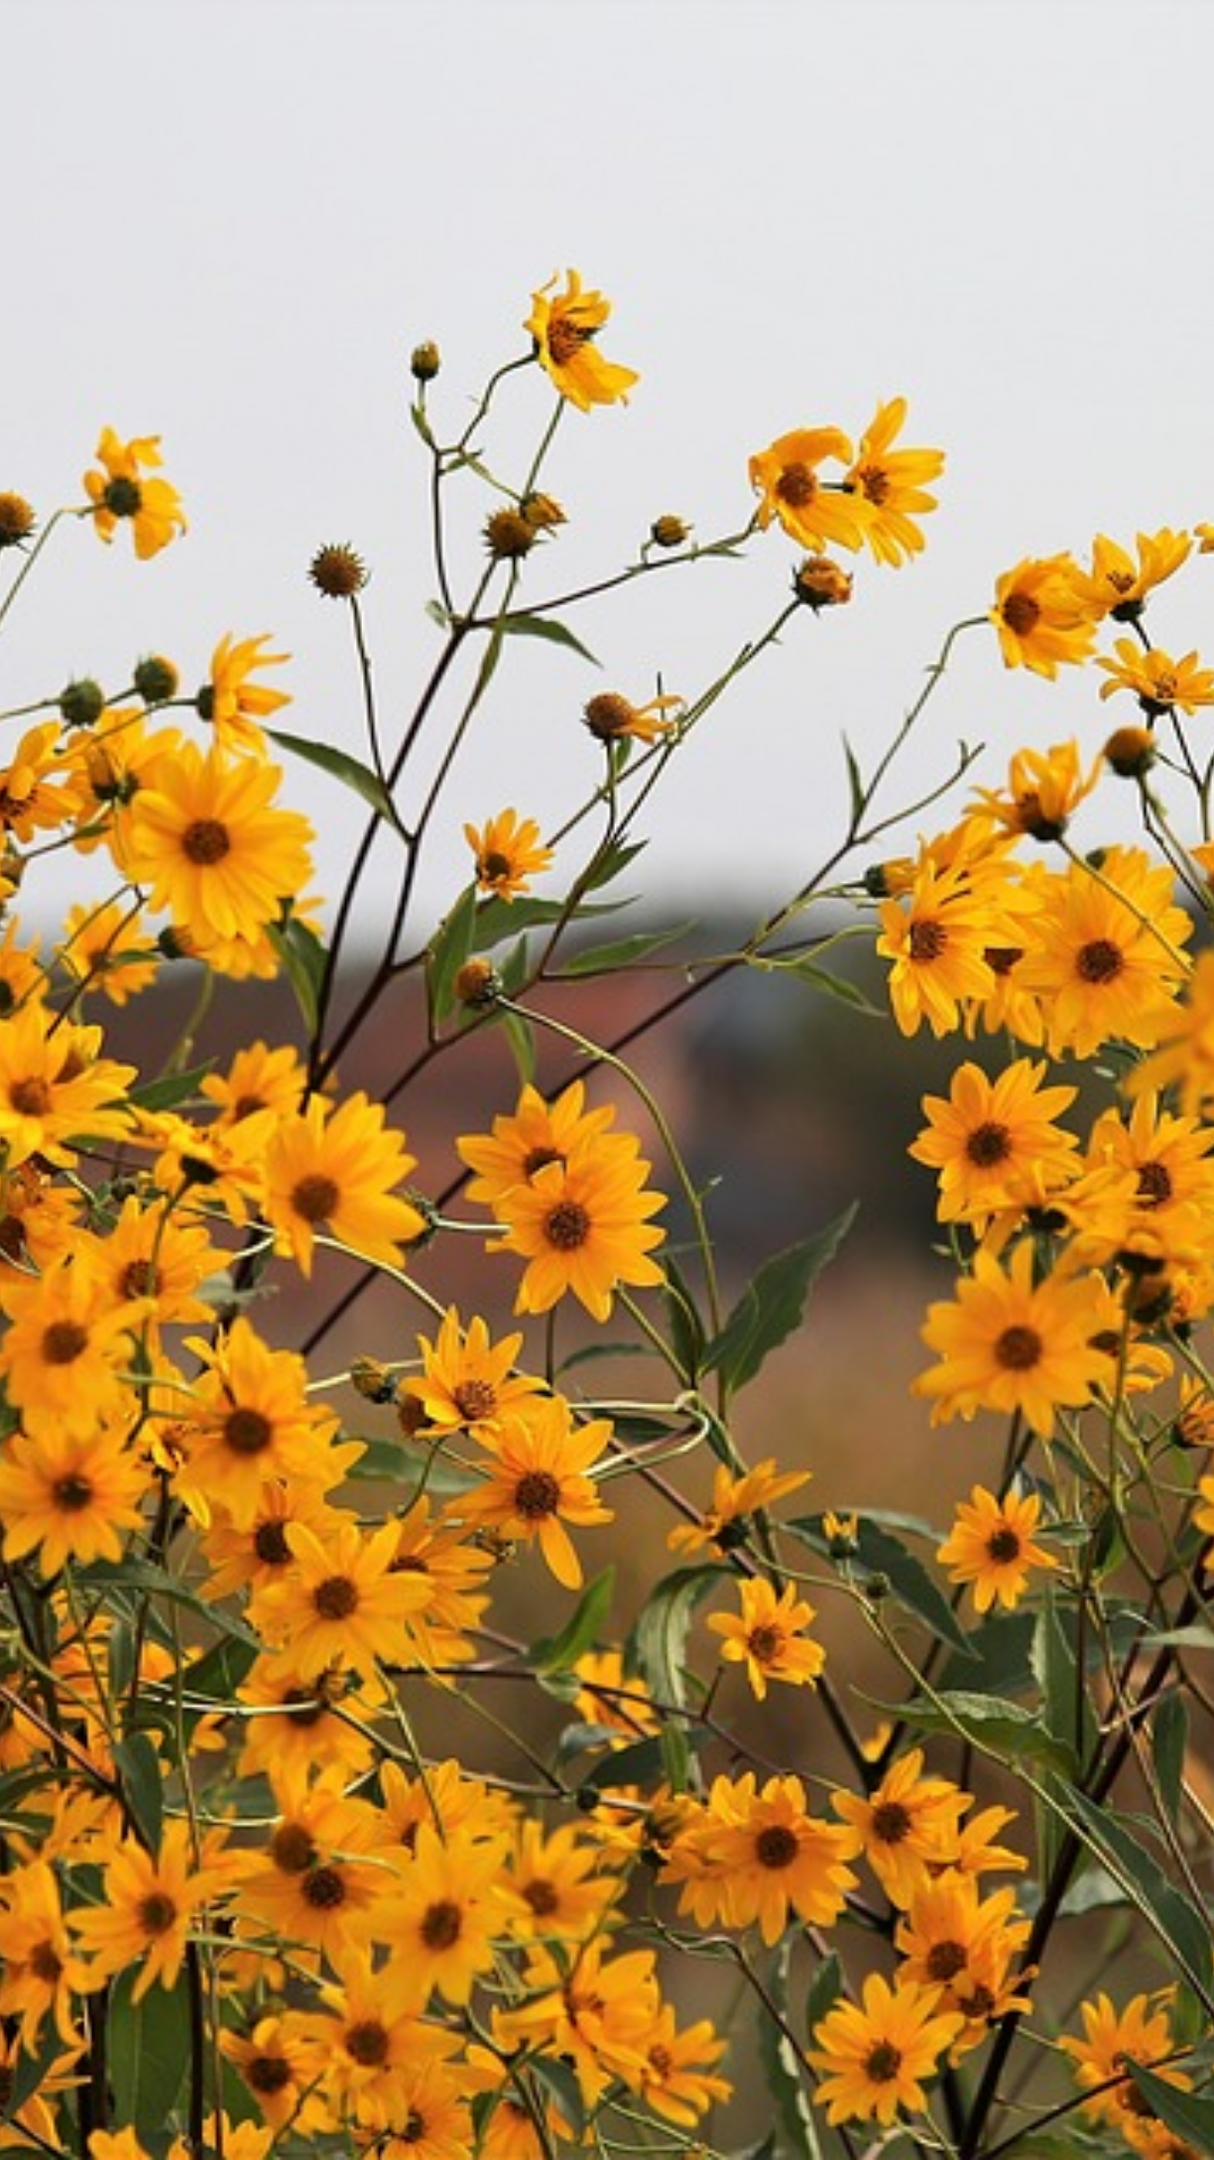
[{"x": 228, "y": 224}]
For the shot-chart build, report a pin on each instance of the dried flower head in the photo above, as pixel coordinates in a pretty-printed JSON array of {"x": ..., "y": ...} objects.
[
  {"x": 17, "y": 520},
  {"x": 337, "y": 571}
]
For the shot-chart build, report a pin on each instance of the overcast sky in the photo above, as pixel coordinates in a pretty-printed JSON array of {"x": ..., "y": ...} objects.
[{"x": 229, "y": 223}]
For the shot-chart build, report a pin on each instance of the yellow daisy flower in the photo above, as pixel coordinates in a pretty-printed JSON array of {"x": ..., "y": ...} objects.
[
  {"x": 906, "y": 1827},
  {"x": 216, "y": 852},
  {"x": 147, "y": 1907},
  {"x": 612, "y": 718},
  {"x": 338, "y": 1167},
  {"x": 1010, "y": 1344},
  {"x": 468, "y": 1381},
  {"x": 990, "y": 1547},
  {"x": 768, "y": 1636},
  {"x": 892, "y": 483},
  {"x": 1159, "y": 682},
  {"x": 582, "y": 1227},
  {"x": 231, "y": 703},
  {"x": 508, "y": 854},
  {"x": 1042, "y": 618},
  {"x": 564, "y": 328},
  {"x": 122, "y": 493},
  {"x": 785, "y": 475},
  {"x": 1117, "y": 585},
  {"x": 539, "y": 1482},
  {"x": 70, "y": 1498},
  {"x": 344, "y": 1603},
  {"x": 873, "y": 2060},
  {"x": 995, "y": 1142}
]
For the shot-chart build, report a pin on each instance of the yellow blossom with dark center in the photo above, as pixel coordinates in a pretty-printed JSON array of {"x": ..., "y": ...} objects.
[{"x": 565, "y": 327}]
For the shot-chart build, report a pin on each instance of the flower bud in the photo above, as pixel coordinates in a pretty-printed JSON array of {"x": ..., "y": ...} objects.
[
  {"x": 156, "y": 679},
  {"x": 372, "y": 1380},
  {"x": 410, "y": 1410},
  {"x": 82, "y": 703},
  {"x": 542, "y": 512},
  {"x": 338, "y": 572},
  {"x": 821, "y": 583},
  {"x": 478, "y": 983},
  {"x": 1131, "y": 752},
  {"x": 17, "y": 520},
  {"x": 508, "y": 535},
  {"x": 425, "y": 361},
  {"x": 669, "y": 531}
]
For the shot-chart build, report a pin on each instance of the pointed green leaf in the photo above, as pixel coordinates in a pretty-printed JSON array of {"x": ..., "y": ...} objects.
[
  {"x": 855, "y": 782},
  {"x": 1002, "y": 1645},
  {"x": 784, "y": 2074},
  {"x": 451, "y": 946},
  {"x": 660, "y": 1636},
  {"x": 688, "y": 1339},
  {"x": 138, "y": 1767},
  {"x": 303, "y": 960},
  {"x": 606, "y": 866},
  {"x": 1188, "y": 2114},
  {"x": 172, "y": 1088},
  {"x": 772, "y": 1305},
  {"x": 642, "y": 1762},
  {"x": 1064, "y": 1697},
  {"x": 911, "y": 1584},
  {"x": 1002, "y": 1727},
  {"x": 1181, "y": 1927},
  {"x": 824, "y": 1991},
  {"x": 606, "y": 959},
  {"x": 148, "y": 2052},
  {"x": 546, "y": 626},
  {"x": 340, "y": 766},
  {"x": 1169, "y": 1741},
  {"x": 830, "y": 984},
  {"x": 587, "y": 1622}
]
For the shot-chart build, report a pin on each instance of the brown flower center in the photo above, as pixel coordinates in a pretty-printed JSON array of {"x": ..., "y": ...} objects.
[
  {"x": 414, "y": 2128},
  {"x": 1003, "y": 1546},
  {"x": 492, "y": 866},
  {"x": 882, "y": 2063},
  {"x": 205, "y": 842},
  {"x": 538, "y": 1158},
  {"x": 1021, "y": 613},
  {"x": 247, "y": 1432},
  {"x": 32, "y": 1097},
  {"x": 293, "y": 1849},
  {"x": 1018, "y": 1349},
  {"x": 874, "y": 481},
  {"x": 336, "y": 1597},
  {"x": 368, "y": 2043},
  {"x": 474, "y": 1399},
  {"x": 537, "y": 1494},
  {"x": 567, "y": 1226},
  {"x": 1154, "y": 1184},
  {"x": 1100, "y": 961},
  {"x": 765, "y": 1644},
  {"x": 442, "y": 1925},
  {"x": 267, "y": 2073},
  {"x": 138, "y": 1279},
  {"x": 944, "y": 1961},
  {"x": 928, "y": 938},
  {"x": 157, "y": 1913},
  {"x": 891, "y": 1822},
  {"x": 543, "y": 1897},
  {"x": 45, "y": 1963},
  {"x": 123, "y": 497},
  {"x": 270, "y": 1543},
  {"x": 797, "y": 485},
  {"x": 565, "y": 339},
  {"x": 324, "y": 1889},
  {"x": 776, "y": 1846},
  {"x": 64, "y": 1341},
  {"x": 72, "y": 1493},
  {"x": 1001, "y": 959},
  {"x": 315, "y": 1198},
  {"x": 988, "y": 1144}
]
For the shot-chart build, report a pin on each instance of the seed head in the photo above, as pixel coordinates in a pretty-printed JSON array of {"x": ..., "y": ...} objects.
[{"x": 337, "y": 572}]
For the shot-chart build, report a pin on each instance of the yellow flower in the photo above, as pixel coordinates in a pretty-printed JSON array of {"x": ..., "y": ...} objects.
[
  {"x": 107, "y": 948},
  {"x": 1105, "y": 953},
  {"x": 584, "y": 1227},
  {"x": 540, "y": 1481},
  {"x": 676, "y": 2080},
  {"x": 1185, "y": 1059},
  {"x": 507, "y": 854},
  {"x": 69, "y": 1498},
  {"x": 1011, "y": 1345},
  {"x": 1159, "y": 682},
  {"x": 873, "y": 2060},
  {"x": 994, "y": 1142},
  {"x": 768, "y": 1636},
  {"x": 558, "y": 1883},
  {"x": 596, "y": 2011},
  {"x": 449, "y": 1912},
  {"x": 258, "y": 1078},
  {"x": 1044, "y": 790},
  {"x": 907, "y": 1827},
  {"x": 1117, "y": 585},
  {"x": 612, "y": 718},
  {"x": 785, "y": 475},
  {"x": 339, "y": 1166},
  {"x": 148, "y": 1905},
  {"x": 122, "y": 491},
  {"x": 990, "y": 1546},
  {"x": 217, "y": 853},
  {"x": 54, "y": 1087},
  {"x": 231, "y": 703},
  {"x": 1042, "y": 619},
  {"x": 40, "y": 789},
  {"x": 1110, "y": 2036},
  {"x": 767, "y": 1858},
  {"x": 249, "y": 1422},
  {"x": 564, "y": 328},
  {"x": 324, "y": 1878},
  {"x": 938, "y": 942},
  {"x": 892, "y": 483},
  {"x": 725, "y": 1522},
  {"x": 39, "y": 1970},
  {"x": 65, "y": 1359},
  {"x": 535, "y": 1134},
  {"x": 343, "y": 1603},
  {"x": 467, "y": 1382}
]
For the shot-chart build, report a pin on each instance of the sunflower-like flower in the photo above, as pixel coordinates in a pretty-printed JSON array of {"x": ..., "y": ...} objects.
[
  {"x": 990, "y": 1547},
  {"x": 70, "y": 1498},
  {"x": 1117, "y": 585},
  {"x": 148, "y": 1907},
  {"x": 508, "y": 853},
  {"x": 209, "y": 840},
  {"x": 122, "y": 493},
  {"x": 735, "y": 1497},
  {"x": 873, "y": 2059},
  {"x": 612, "y": 718},
  {"x": 540, "y": 1481},
  {"x": 339, "y": 1166},
  {"x": 1141, "y": 2032},
  {"x": 768, "y": 1636},
  {"x": 1105, "y": 955},
  {"x": 107, "y": 948},
  {"x": 892, "y": 483},
  {"x": 1044, "y": 789},
  {"x": 1009, "y": 1344},
  {"x": 468, "y": 1382},
  {"x": 564, "y": 328},
  {"x": 1160, "y": 683},
  {"x": 995, "y": 1142},
  {"x": 907, "y": 1827},
  {"x": 785, "y": 476},
  {"x": 344, "y": 1603},
  {"x": 1042, "y": 618},
  {"x": 231, "y": 703},
  {"x": 583, "y": 1227}
]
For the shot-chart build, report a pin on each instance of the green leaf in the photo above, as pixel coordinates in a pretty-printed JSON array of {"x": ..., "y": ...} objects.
[
  {"x": 304, "y": 961},
  {"x": 1180, "y": 1925},
  {"x": 148, "y": 2052},
  {"x": 1002, "y": 1646},
  {"x": 497, "y": 918},
  {"x": 824, "y": 1991},
  {"x": 340, "y": 766},
  {"x": 452, "y": 944},
  {"x": 676, "y": 1755},
  {"x": 172, "y": 1088},
  {"x": 1002, "y": 1727},
  {"x": 830, "y": 984},
  {"x": 557, "y": 1653},
  {"x": 659, "y": 1638},
  {"x": 142, "y": 1576},
  {"x": 772, "y": 1305},
  {"x": 1186, "y": 2113},
  {"x": 783, "y": 2068},
  {"x": 854, "y": 780},
  {"x": 216, "y": 1675},
  {"x": 560, "y": 2080},
  {"x": 879, "y": 1553},
  {"x": 1064, "y": 1698},
  {"x": 138, "y": 1766},
  {"x": 520, "y": 1035},
  {"x": 545, "y": 626},
  {"x": 688, "y": 1339},
  {"x": 606, "y": 959},
  {"x": 615, "y": 857},
  {"x": 642, "y": 1762}
]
